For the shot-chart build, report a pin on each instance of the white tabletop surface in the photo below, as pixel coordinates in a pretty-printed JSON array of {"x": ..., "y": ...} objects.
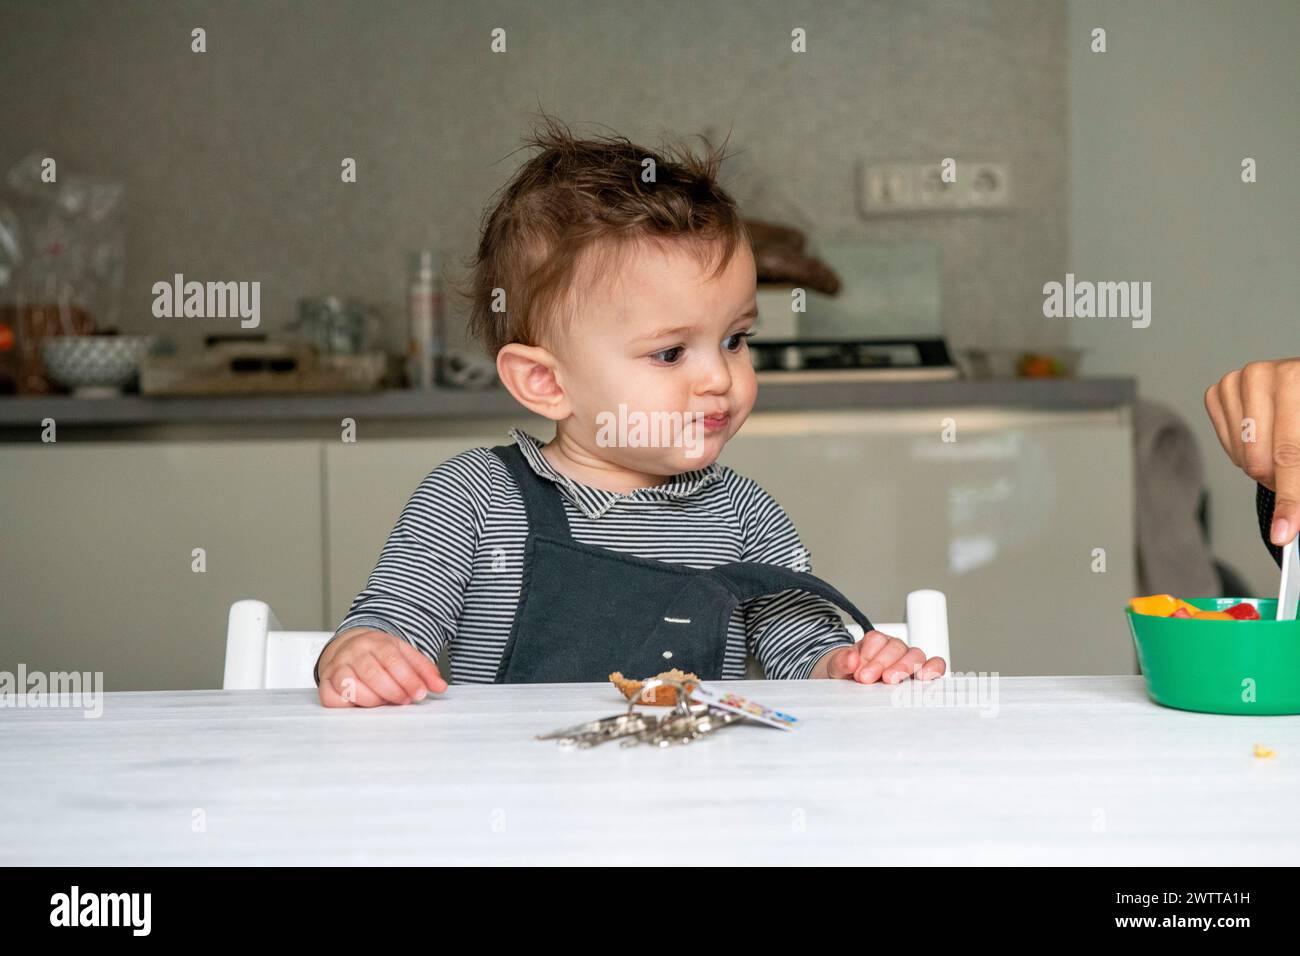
[{"x": 1071, "y": 770}]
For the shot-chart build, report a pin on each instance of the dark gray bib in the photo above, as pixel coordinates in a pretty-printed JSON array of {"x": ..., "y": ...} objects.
[{"x": 586, "y": 611}]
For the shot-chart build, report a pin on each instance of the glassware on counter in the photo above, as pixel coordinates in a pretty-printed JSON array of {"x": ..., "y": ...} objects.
[{"x": 335, "y": 325}]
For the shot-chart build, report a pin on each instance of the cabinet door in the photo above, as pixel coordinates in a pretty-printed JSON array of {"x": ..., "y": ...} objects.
[
  {"x": 97, "y": 569},
  {"x": 1012, "y": 520}
]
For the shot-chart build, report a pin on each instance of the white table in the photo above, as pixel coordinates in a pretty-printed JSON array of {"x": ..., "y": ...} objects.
[{"x": 1081, "y": 770}]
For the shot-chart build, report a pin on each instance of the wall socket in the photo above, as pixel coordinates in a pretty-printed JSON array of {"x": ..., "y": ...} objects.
[{"x": 887, "y": 189}]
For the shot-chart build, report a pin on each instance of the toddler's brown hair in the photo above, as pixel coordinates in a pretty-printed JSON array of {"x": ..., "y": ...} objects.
[{"x": 573, "y": 211}]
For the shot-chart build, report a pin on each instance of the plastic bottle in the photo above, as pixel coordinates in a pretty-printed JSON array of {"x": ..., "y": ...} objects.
[{"x": 424, "y": 311}]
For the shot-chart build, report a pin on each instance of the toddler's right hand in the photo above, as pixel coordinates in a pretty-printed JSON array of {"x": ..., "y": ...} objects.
[{"x": 363, "y": 667}]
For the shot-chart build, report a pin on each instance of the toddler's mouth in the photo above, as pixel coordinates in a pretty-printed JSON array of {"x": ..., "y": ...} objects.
[{"x": 716, "y": 422}]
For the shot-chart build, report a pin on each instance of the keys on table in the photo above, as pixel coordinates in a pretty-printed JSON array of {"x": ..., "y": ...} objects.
[
  {"x": 595, "y": 732},
  {"x": 662, "y": 730},
  {"x": 684, "y": 723},
  {"x": 676, "y": 729}
]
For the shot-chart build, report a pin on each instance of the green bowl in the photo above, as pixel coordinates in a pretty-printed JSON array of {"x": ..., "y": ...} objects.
[{"x": 1221, "y": 667}]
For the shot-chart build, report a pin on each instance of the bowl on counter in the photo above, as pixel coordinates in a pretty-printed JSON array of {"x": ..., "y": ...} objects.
[
  {"x": 1019, "y": 363},
  {"x": 94, "y": 366},
  {"x": 1220, "y": 667}
]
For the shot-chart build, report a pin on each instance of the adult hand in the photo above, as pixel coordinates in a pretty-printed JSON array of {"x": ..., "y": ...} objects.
[{"x": 1256, "y": 414}]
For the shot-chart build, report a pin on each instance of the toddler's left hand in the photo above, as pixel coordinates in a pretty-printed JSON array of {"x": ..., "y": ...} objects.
[{"x": 879, "y": 657}]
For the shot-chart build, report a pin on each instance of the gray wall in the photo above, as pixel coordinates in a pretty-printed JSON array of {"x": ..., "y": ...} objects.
[
  {"x": 231, "y": 158},
  {"x": 1159, "y": 126}
]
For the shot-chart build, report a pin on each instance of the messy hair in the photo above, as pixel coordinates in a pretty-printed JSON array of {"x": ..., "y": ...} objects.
[{"x": 572, "y": 213}]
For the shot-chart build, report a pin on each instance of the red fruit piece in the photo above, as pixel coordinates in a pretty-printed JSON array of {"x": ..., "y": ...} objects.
[
  {"x": 1181, "y": 612},
  {"x": 1243, "y": 612}
]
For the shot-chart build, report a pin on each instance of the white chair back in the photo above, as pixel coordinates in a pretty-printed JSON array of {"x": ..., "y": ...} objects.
[{"x": 260, "y": 655}]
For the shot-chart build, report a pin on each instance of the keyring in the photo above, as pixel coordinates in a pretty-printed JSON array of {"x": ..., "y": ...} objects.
[{"x": 682, "y": 707}]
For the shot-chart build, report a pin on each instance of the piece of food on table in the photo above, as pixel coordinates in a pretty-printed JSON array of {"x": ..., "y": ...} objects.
[{"x": 664, "y": 695}]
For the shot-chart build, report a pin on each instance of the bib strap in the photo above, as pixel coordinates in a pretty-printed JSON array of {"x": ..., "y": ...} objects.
[{"x": 545, "y": 509}]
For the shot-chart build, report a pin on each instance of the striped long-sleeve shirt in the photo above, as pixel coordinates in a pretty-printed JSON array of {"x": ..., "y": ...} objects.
[{"x": 451, "y": 570}]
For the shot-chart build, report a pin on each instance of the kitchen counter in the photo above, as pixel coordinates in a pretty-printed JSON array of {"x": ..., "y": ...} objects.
[
  {"x": 1032, "y": 770},
  {"x": 134, "y": 415},
  {"x": 295, "y": 512}
]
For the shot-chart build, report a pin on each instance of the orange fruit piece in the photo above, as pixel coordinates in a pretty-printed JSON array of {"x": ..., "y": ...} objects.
[
  {"x": 1160, "y": 605},
  {"x": 1036, "y": 366},
  {"x": 1212, "y": 616}
]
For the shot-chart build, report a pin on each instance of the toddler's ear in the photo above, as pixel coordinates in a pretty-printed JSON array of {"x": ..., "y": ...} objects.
[{"x": 528, "y": 373}]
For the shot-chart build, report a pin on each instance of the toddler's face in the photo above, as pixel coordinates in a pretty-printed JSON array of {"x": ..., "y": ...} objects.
[{"x": 655, "y": 350}]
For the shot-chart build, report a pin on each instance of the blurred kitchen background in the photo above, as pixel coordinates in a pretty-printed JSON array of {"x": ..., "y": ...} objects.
[{"x": 925, "y": 321}]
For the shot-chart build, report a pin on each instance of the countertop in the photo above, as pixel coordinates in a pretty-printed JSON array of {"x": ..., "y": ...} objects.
[
  {"x": 1032, "y": 770},
  {"x": 458, "y": 404}
]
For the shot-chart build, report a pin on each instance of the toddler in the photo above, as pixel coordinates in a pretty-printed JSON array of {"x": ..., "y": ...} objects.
[{"x": 616, "y": 287}]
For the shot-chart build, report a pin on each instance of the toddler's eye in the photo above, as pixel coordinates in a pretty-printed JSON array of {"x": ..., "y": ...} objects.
[
  {"x": 740, "y": 337},
  {"x": 673, "y": 352}
]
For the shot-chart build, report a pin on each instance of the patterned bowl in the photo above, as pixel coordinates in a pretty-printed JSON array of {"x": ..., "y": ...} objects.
[{"x": 94, "y": 365}]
